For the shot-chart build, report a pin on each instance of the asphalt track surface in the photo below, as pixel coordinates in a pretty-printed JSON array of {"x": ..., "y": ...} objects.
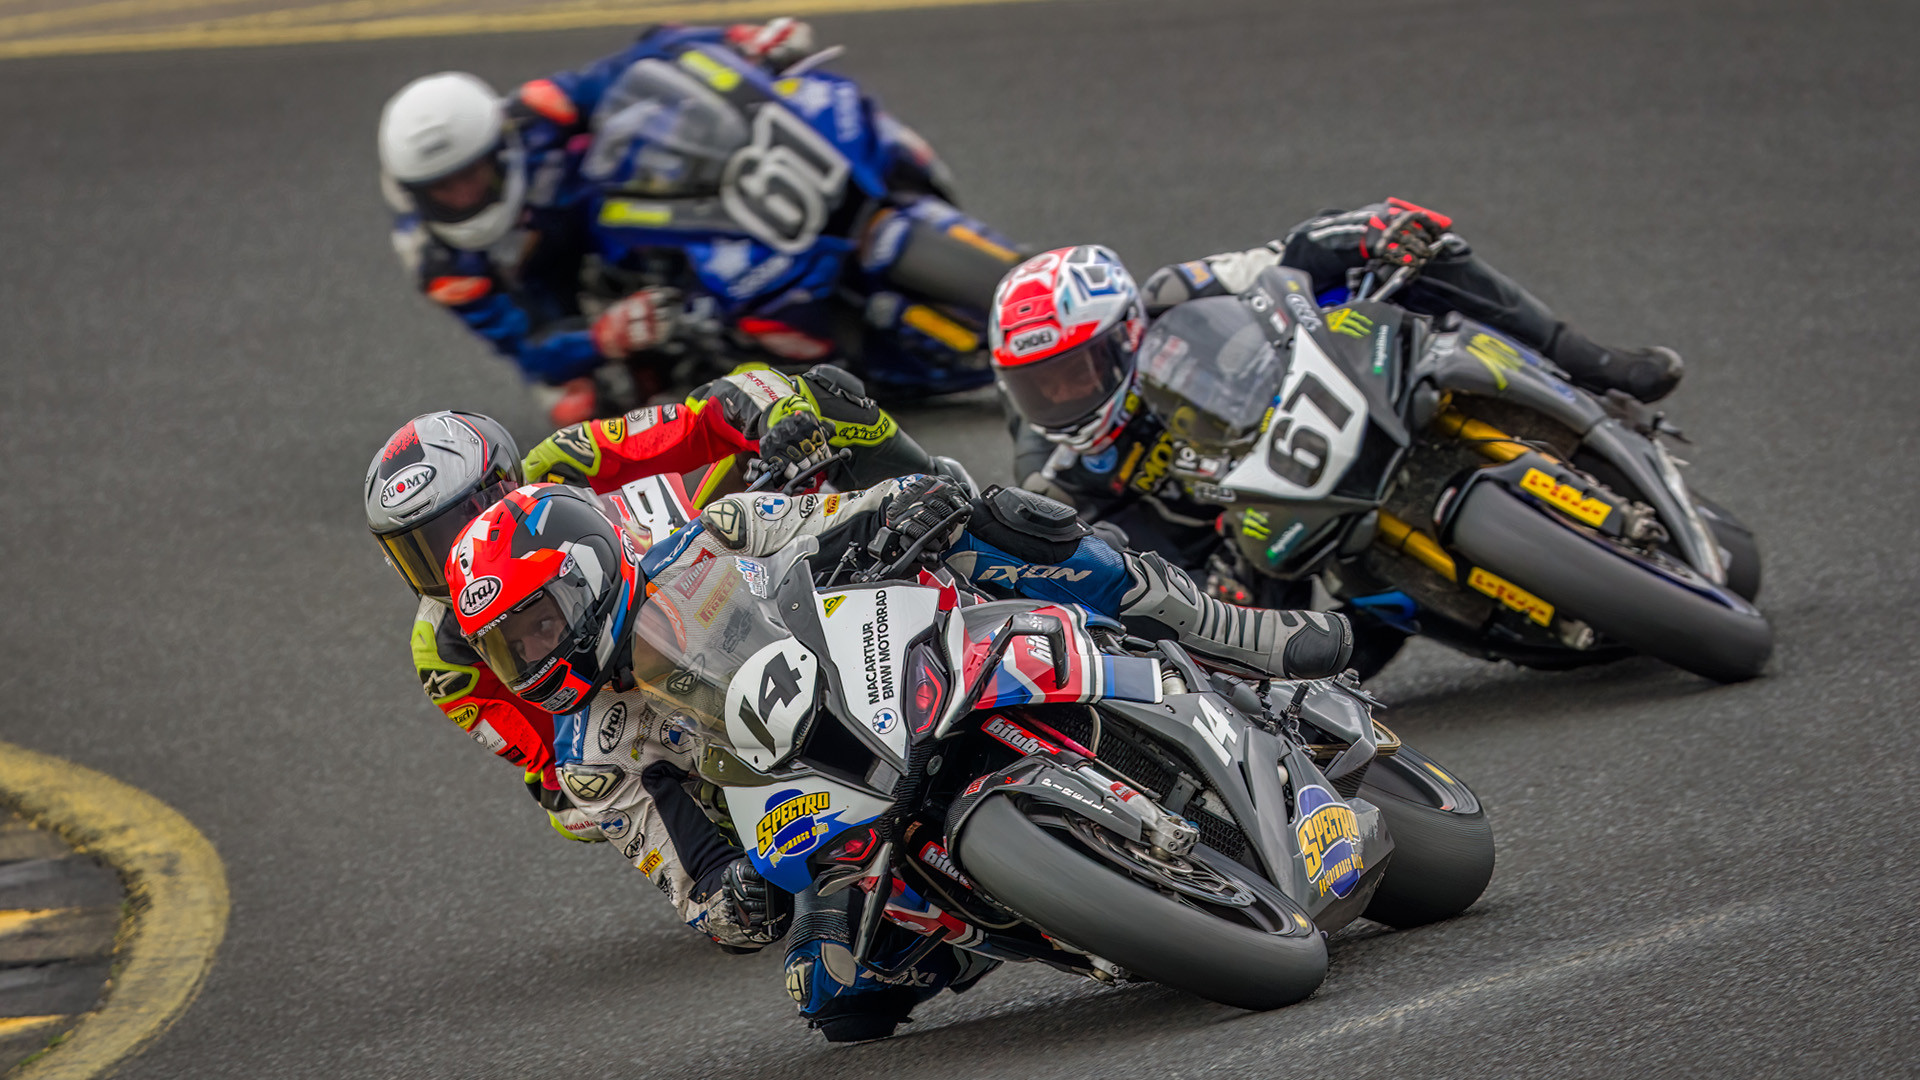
[{"x": 206, "y": 338}]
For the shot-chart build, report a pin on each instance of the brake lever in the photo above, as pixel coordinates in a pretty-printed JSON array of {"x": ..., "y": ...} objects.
[{"x": 802, "y": 479}]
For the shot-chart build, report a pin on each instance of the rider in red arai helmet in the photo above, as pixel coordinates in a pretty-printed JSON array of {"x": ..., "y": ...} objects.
[{"x": 547, "y": 616}]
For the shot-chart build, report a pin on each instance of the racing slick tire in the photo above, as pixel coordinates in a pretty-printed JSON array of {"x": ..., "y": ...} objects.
[
  {"x": 1072, "y": 896},
  {"x": 1613, "y": 591},
  {"x": 1442, "y": 843}
]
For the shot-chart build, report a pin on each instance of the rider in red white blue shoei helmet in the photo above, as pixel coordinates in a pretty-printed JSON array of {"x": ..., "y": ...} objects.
[{"x": 1063, "y": 328}]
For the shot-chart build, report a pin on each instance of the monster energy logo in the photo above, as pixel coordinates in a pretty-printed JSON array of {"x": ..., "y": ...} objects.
[{"x": 1349, "y": 322}]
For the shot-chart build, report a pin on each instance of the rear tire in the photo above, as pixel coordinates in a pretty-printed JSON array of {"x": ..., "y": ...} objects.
[
  {"x": 1442, "y": 857},
  {"x": 1053, "y": 883},
  {"x": 1607, "y": 589}
]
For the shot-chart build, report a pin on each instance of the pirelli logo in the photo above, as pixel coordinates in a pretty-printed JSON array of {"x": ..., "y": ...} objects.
[
  {"x": 1564, "y": 497},
  {"x": 1511, "y": 595}
]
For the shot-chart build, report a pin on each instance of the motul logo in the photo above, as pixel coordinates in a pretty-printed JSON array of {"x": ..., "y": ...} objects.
[{"x": 478, "y": 594}]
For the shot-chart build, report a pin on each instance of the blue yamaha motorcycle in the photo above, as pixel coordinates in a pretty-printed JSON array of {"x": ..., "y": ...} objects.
[{"x": 804, "y": 223}]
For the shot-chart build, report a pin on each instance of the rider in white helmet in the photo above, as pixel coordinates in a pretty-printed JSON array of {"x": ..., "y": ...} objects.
[{"x": 492, "y": 210}]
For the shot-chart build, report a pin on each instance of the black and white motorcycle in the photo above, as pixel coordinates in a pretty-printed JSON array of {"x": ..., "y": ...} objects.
[
  {"x": 1448, "y": 481},
  {"x": 1026, "y": 781}
]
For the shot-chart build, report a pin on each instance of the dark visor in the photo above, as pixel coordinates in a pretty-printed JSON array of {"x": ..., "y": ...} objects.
[
  {"x": 486, "y": 169},
  {"x": 1063, "y": 391}
]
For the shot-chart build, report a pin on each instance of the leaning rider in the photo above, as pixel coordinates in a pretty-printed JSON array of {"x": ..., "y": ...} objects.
[
  {"x": 549, "y": 593},
  {"x": 434, "y": 475},
  {"x": 1066, "y": 323},
  {"x": 491, "y": 212}
]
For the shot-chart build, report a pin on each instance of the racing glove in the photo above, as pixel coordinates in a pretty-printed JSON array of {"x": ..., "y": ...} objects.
[
  {"x": 798, "y": 442},
  {"x": 642, "y": 321},
  {"x": 923, "y": 504},
  {"x": 1408, "y": 236},
  {"x": 743, "y": 911},
  {"x": 777, "y": 44}
]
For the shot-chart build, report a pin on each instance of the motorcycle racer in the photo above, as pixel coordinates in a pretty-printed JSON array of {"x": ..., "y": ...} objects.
[
  {"x": 492, "y": 212},
  {"x": 438, "y": 471},
  {"x": 550, "y": 594},
  {"x": 1065, "y": 326}
]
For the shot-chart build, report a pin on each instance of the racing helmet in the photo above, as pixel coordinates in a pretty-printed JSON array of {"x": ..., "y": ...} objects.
[
  {"x": 429, "y": 481},
  {"x": 545, "y": 588},
  {"x": 448, "y": 153},
  {"x": 1063, "y": 328}
]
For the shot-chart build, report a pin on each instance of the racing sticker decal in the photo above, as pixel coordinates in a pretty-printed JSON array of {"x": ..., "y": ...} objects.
[
  {"x": 406, "y": 485},
  {"x": 794, "y": 822},
  {"x": 478, "y": 594},
  {"x": 885, "y": 721},
  {"x": 756, "y": 577},
  {"x": 1511, "y": 595},
  {"x": 1329, "y": 841},
  {"x": 1577, "y": 504},
  {"x": 771, "y": 507},
  {"x": 613, "y": 724}
]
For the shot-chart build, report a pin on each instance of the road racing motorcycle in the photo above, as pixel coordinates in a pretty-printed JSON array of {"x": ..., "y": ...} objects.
[
  {"x": 1027, "y": 782},
  {"x": 1446, "y": 480},
  {"x": 806, "y": 222}
]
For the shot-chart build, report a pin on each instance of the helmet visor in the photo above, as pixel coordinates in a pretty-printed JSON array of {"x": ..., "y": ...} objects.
[
  {"x": 524, "y": 644},
  {"x": 420, "y": 552},
  {"x": 1063, "y": 391},
  {"x": 464, "y": 193}
]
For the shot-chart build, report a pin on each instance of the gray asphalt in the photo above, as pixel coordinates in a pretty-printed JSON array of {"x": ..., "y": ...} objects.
[{"x": 207, "y": 338}]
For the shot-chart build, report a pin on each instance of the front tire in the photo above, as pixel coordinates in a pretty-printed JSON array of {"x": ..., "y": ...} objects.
[
  {"x": 1442, "y": 843},
  {"x": 1058, "y": 887},
  {"x": 1608, "y": 589}
]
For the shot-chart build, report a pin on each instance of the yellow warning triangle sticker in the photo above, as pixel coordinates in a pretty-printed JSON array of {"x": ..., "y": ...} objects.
[{"x": 830, "y": 603}]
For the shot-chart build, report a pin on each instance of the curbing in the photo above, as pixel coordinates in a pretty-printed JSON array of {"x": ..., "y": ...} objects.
[{"x": 177, "y": 904}]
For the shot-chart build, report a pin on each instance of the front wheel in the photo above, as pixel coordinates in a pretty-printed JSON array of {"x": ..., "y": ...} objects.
[
  {"x": 1442, "y": 842},
  {"x": 1705, "y": 631},
  {"x": 1252, "y": 955}
]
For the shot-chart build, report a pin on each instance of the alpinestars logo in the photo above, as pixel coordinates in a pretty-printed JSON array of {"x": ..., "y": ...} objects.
[{"x": 1014, "y": 575}]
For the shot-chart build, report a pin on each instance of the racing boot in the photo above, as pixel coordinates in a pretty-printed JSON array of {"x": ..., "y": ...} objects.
[
  {"x": 1648, "y": 374},
  {"x": 1163, "y": 601}
]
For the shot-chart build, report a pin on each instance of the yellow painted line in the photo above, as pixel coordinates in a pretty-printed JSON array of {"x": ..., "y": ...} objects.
[
  {"x": 317, "y": 13},
  {"x": 176, "y": 893},
  {"x": 14, "y": 1025},
  {"x": 92, "y": 13},
  {"x": 11, "y": 921},
  {"x": 215, "y": 35}
]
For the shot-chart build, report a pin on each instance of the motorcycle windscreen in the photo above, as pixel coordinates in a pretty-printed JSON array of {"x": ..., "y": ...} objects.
[
  {"x": 1207, "y": 367},
  {"x": 660, "y": 131},
  {"x": 697, "y": 629}
]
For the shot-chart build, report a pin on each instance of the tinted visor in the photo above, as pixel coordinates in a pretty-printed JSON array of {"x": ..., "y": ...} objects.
[
  {"x": 420, "y": 552},
  {"x": 545, "y": 628},
  {"x": 1064, "y": 391}
]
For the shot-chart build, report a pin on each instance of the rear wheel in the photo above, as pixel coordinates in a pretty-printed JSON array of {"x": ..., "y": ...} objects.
[
  {"x": 1211, "y": 928},
  {"x": 1619, "y": 594}
]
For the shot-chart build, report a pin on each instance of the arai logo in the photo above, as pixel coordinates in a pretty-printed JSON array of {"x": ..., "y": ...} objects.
[
  {"x": 406, "y": 484},
  {"x": 478, "y": 594}
]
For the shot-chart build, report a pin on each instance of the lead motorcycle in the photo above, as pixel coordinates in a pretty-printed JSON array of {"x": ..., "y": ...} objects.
[
  {"x": 1024, "y": 781},
  {"x": 806, "y": 222},
  {"x": 1448, "y": 481}
]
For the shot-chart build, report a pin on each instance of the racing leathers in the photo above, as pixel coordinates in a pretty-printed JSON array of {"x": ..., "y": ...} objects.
[
  {"x": 523, "y": 293},
  {"x": 718, "y": 424},
  {"x": 630, "y": 757},
  {"x": 1132, "y": 483}
]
